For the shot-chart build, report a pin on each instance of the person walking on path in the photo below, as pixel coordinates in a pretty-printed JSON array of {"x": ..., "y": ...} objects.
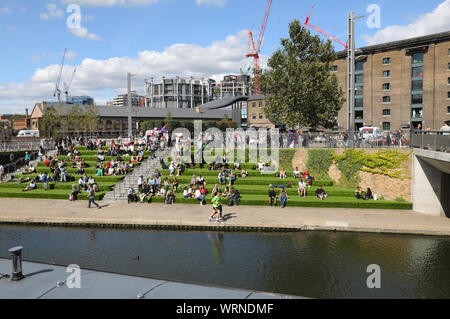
[
  {"x": 92, "y": 197},
  {"x": 216, "y": 208}
]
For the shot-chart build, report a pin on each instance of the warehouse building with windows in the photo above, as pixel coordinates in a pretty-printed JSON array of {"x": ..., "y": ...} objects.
[{"x": 400, "y": 85}]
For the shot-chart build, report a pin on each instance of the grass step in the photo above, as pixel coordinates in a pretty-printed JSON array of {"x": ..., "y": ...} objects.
[
  {"x": 40, "y": 193},
  {"x": 98, "y": 179},
  {"x": 66, "y": 186},
  {"x": 311, "y": 201}
]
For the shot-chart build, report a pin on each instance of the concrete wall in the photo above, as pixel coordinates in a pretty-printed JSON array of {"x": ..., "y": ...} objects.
[{"x": 431, "y": 183}]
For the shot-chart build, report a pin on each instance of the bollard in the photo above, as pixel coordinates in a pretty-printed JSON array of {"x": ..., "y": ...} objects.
[{"x": 16, "y": 253}]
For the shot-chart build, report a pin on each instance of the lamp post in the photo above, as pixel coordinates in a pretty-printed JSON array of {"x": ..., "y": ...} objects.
[{"x": 130, "y": 122}]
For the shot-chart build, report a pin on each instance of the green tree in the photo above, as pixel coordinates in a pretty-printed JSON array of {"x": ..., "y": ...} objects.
[
  {"x": 75, "y": 118},
  {"x": 91, "y": 118},
  {"x": 300, "y": 88},
  {"x": 50, "y": 122}
]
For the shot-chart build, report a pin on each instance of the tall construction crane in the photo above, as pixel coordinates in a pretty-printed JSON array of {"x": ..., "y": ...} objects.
[
  {"x": 57, "y": 92},
  {"x": 67, "y": 85},
  {"x": 253, "y": 51},
  {"x": 329, "y": 36}
]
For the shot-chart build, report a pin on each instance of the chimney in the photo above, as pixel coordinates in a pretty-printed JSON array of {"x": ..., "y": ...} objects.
[{"x": 26, "y": 114}]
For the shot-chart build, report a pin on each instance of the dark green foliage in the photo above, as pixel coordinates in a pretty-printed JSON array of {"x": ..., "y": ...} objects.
[
  {"x": 319, "y": 163},
  {"x": 300, "y": 88}
]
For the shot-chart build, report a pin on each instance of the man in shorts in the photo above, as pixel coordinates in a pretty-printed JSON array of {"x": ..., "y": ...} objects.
[{"x": 216, "y": 208}]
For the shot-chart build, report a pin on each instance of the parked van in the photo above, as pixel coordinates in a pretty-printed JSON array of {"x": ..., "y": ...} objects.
[
  {"x": 370, "y": 132},
  {"x": 28, "y": 133}
]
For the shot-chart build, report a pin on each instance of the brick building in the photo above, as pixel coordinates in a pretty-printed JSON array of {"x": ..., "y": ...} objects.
[
  {"x": 255, "y": 112},
  {"x": 400, "y": 84}
]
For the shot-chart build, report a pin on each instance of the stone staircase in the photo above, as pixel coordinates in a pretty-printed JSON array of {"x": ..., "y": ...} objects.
[{"x": 146, "y": 169}]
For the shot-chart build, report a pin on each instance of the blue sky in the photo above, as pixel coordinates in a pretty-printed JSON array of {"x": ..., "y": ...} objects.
[{"x": 205, "y": 38}]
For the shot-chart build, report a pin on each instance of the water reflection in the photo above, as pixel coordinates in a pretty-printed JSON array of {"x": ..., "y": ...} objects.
[{"x": 311, "y": 264}]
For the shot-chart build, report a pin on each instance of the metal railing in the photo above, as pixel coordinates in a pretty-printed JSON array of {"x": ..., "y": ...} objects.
[
  {"x": 17, "y": 146},
  {"x": 431, "y": 140}
]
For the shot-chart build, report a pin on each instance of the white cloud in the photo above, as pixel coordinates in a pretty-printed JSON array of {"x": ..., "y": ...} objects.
[
  {"x": 83, "y": 33},
  {"x": 12, "y": 28},
  {"x": 216, "y": 3},
  {"x": 53, "y": 12},
  {"x": 428, "y": 23},
  {"x": 70, "y": 55},
  {"x": 109, "y": 3},
  {"x": 94, "y": 77},
  {"x": 5, "y": 10}
]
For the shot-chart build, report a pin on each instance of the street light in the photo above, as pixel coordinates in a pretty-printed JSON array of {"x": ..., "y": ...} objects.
[{"x": 130, "y": 122}]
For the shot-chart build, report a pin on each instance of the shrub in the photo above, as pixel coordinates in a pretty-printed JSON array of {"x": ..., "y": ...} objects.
[{"x": 319, "y": 163}]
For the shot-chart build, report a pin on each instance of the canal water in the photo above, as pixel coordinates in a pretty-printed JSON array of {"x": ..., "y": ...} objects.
[{"x": 310, "y": 264}]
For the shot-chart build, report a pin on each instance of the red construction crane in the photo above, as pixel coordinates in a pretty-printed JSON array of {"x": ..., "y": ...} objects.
[
  {"x": 323, "y": 32},
  {"x": 254, "y": 51}
]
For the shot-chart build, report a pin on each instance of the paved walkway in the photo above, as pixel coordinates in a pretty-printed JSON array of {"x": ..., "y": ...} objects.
[{"x": 61, "y": 212}]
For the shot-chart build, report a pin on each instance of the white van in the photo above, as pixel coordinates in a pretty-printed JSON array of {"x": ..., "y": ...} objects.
[
  {"x": 370, "y": 132},
  {"x": 28, "y": 133}
]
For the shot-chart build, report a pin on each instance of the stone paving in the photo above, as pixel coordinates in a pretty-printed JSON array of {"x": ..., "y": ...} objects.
[{"x": 244, "y": 218}]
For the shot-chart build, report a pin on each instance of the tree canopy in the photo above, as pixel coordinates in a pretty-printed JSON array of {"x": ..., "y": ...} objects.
[{"x": 300, "y": 88}]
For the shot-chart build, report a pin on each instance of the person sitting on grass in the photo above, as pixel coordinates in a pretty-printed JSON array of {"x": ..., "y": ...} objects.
[
  {"x": 74, "y": 194},
  {"x": 172, "y": 169},
  {"x": 358, "y": 194},
  {"x": 232, "y": 178},
  {"x": 283, "y": 198},
  {"x": 235, "y": 195},
  {"x": 221, "y": 178},
  {"x": 244, "y": 173},
  {"x": 283, "y": 174},
  {"x": 166, "y": 184},
  {"x": 272, "y": 197},
  {"x": 143, "y": 191},
  {"x": 175, "y": 185},
  {"x": 30, "y": 187},
  {"x": 215, "y": 190},
  {"x": 132, "y": 197},
  {"x": 200, "y": 181},
  {"x": 82, "y": 183},
  {"x": 99, "y": 171},
  {"x": 226, "y": 192},
  {"x": 302, "y": 188},
  {"x": 368, "y": 195},
  {"x": 44, "y": 179},
  {"x": 186, "y": 193},
  {"x": 91, "y": 181},
  {"x": 30, "y": 169},
  {"x": 309, "y": 180},
  {"x": 170, "y": 198},
  {"x": 321, "y": 194},
  {"x": 161, "y": 192},
  {"x": 198, "y": 196},
  {"x": 151, "y": 193},
  {"x": 297, "y": 173}
]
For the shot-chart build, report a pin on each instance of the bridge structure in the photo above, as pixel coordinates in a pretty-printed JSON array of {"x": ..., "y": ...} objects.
[{"x": 431, "y": 172}]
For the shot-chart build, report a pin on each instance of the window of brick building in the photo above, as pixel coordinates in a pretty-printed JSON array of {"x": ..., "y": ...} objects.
[
  {"x": 334, "y": 68},
  {"x": 386, "y": 74},
  {"x": 260, "y": 116},
  {"x": 254, "y": 104},
  {"x": 386, "y": 86},
  {"x": 386, "y": 61},
  {"x": 260, "y": 104},
  {"x": 386, "y": 112},
  {"x": 386, "y": 126},
  {"x": 448, "y": 109},
  {"x": 254, "y": 116},
  {"x": 386, "y": 99}
]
